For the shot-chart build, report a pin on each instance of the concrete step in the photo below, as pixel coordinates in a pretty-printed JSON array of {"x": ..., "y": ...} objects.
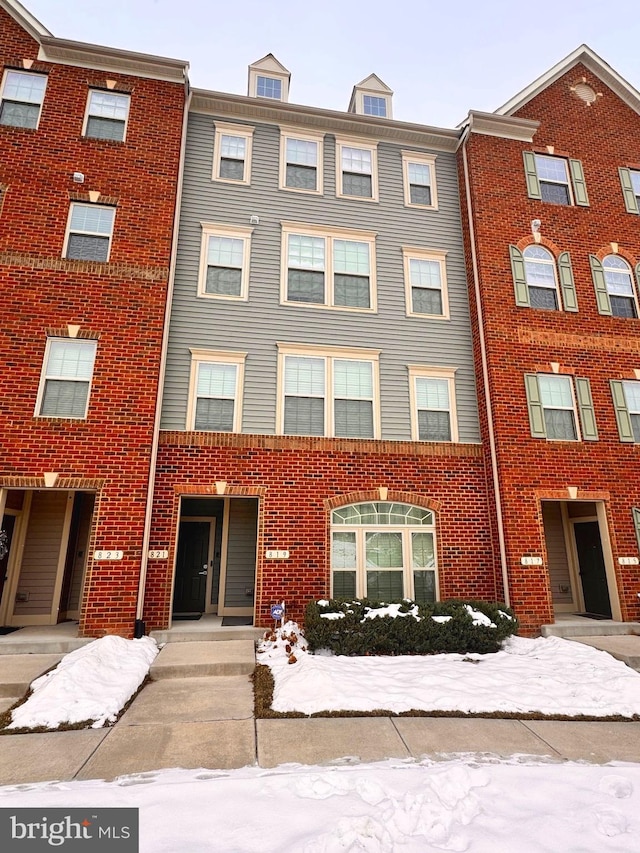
[
  {"x": 199, "y": 659},
  {"x": 624, "y": 648},
  {"x": 189, "y": 635},
  {"x": 590, "y": 628},
  {"x": 18, "y": 671}
]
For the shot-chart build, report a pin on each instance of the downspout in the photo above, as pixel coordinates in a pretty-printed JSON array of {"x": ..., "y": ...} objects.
[
  {"x": 485, "y": 369},
  {"x": 139, "y": 627}
]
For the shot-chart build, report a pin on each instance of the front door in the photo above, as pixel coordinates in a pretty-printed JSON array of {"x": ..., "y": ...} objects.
[
  {"x": 8, "y": 523},
  {"x": 592, "y": 568},
  {"x": 192, "y": 567}
]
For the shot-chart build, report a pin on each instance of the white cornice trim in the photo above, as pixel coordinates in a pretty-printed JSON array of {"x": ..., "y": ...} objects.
[
  {"x": 25, "y": 19},
  {"x": 506, "y": 127},
  {"x": 590, "y": 60},
  {"x": 111, "y": 59},
  {"x": 257, "y": 109}
]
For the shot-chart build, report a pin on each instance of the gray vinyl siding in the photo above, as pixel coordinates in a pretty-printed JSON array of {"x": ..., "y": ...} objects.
[
  {"x": 559, "y": 576},
  {"x": 255, "y": 326},
  {"x": 241, "y": 552}
]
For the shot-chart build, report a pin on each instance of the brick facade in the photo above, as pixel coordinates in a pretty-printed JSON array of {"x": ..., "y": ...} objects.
[
  {"x": 119, "y": 303},
  {"x": 523, "y": 340}
]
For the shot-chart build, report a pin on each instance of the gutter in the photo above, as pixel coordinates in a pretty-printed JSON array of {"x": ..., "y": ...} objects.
[
  {"x": 485, "y": 369},
  {"x": 139, "y": 627}
]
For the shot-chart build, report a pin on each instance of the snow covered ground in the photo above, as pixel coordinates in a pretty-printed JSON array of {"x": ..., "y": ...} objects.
[{"x": 459, "y": 805}]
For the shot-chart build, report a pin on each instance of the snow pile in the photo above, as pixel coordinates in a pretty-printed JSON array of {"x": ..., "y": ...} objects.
[
  {"x": 547, "y": 676},
  {"x": 91, "y": 683},
  {"x": 283, "y": 646},
  {"x": 465, "y": 804},
  {"x": 392, "y": 610}
]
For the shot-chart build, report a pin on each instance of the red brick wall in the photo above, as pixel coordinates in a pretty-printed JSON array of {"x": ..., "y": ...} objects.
[
  {"x": 298, "y": 481},
  {"x": 519, "y": 340},
  {"x": 121, "y": 303}
]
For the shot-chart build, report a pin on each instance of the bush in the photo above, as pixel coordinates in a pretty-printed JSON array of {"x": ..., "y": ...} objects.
[{"x": 351, "y": 632}]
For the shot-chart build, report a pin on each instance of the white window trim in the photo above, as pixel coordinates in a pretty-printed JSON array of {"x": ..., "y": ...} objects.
[
  {"x": 416, "y": 253},
  {"x": 576, "y": 413},
  {"x": 417, "y": 371},
  {"x": 44, "y": 93},
  {"x": 238, "y": 232},
  {"x": 568, "y": 183},
  {"x": 329, "y": 353},
  {"x": 329, "y": 235},
  {"x": 254, "y": 73},
  {"x": 365, "y": 145},
  {"x": 374, "y": 93},
  {"x": 88, "y": 233},
  {"x": 422, "y": 159},
  {"x": 44, "y": 376},
  {"x": 225, "y": 129},
  {"x": 87, "y": 114},
  {"x": 291, "y": 133},
  {"x": 553, "y": 263},
  {"x": 204, "y": 356}
]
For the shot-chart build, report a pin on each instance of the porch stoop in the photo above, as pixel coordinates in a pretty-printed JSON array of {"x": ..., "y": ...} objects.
[
  {"x": 623, "y": 647},
  {"x": 580, "y": 627},
  {"x": 200, "y": 659}
]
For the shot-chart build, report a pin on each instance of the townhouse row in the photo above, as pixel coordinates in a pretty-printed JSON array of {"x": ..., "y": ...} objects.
[{"x": 257, "y": 352}]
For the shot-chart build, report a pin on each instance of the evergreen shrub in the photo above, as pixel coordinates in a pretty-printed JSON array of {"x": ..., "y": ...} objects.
[{"x": 417, "y": 632}]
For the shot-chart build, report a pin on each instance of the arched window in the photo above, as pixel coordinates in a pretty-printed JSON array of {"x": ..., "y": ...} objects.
[
  {"x": 542, "y": 282},
  {"x": 384, "y": 551},
  {"x": 619, "y": 281}
]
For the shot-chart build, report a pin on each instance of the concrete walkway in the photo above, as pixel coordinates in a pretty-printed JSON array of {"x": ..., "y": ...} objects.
[{"x": 191, "y": 717}]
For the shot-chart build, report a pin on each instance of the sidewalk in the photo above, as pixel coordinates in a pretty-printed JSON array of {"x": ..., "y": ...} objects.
[{"x": 191, "y": 717}]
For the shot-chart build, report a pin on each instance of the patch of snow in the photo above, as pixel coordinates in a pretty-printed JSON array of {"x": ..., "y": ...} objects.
[
  {"x": 93, "y": 682},
  {"x": 506, "y": 615},
  {"x": 392, "y": 610},
  {"x": 333, "y": 615},
  {"x": 442, "y": 619},
  {"x": 322, "y": 603},
  {"x": 479, "y": 618}
]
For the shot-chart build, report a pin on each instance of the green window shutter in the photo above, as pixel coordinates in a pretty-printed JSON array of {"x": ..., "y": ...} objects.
[
  {"x": 519, "y": 277},
  {"x": 636, "y": 523},
  {"x": 579, "y": 187},
  {"x": 536, "y": 412},
  {"x": 602, "y": 297},
  {"x": 630, "y": 200},
  {"x": 622, "y": 413},
  {"x": 567, "y": 285},
  {"x": 585, "y": 407},
  {"x": 531, "y": 173}
]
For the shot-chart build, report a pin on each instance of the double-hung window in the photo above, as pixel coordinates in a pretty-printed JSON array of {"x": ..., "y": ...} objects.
[
  {"x": 21, "y": 98},
  {"x": 630, "y": 181},
  {"x": 328, "y": 391},
  {"x": 433, "y": 404},
  {"x": 384, "y": 551},
  {"x": 301, "y": 158},
  {"x": 224, "y": 261},
  {"x": 232, "y": 147},
  {"x": 418, "y": 175},
  {"x": 554, "y": 401},
  {"x": 323, "y": 267},
  {"x": 89, "y": 232},
  {"x": 107, "y": 114},
  {"x": 215, "y": 391},
  {"x": 557, "y": 180},
  {"x": 626, "y": 401},
  {"x": 425, "y": 282},
  {"x": 614, "y": 285},
  {"x": 535, "y": 279},
  {"x": 66, "y": 378},
  {"x": 357, "y": 170}
]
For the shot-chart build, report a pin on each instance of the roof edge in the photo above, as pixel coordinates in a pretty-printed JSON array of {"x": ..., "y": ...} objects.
[
  {"x": 507, "y": 127},
  {"x": 25, "y": 19}
]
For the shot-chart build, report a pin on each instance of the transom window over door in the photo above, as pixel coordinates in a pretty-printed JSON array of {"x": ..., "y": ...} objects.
[{"x": 384, "y": 551}]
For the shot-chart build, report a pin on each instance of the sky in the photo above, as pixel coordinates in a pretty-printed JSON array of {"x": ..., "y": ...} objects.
[{"x": 440, "y": 59}]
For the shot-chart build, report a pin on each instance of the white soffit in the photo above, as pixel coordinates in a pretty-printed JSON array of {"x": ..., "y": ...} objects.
[{"x": 590, "y": 60}]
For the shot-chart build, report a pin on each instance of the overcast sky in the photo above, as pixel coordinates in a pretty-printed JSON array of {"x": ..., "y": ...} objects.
[{"x": 441, "y": 59}]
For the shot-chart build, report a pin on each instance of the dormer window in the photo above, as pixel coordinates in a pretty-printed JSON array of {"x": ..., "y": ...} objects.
[
  {"x": 269, "y": 79},
  {"x": 371, "y": 97}
]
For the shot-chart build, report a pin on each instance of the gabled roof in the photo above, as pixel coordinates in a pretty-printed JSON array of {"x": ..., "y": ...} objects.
[
  {"x": 581, "y": 55},
  {"x": 374, "y": 84},
  {"x": 24, "y": 18},
  {"x": 270, "y": 63}
]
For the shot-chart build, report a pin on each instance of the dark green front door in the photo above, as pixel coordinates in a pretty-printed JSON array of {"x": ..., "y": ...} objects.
[
  {"x": 192, "y": 565},
  {"x": 592, "y": 570}
]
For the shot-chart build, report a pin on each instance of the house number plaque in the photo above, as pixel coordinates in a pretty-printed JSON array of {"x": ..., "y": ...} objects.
[{"x": 107, "y": 555}]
